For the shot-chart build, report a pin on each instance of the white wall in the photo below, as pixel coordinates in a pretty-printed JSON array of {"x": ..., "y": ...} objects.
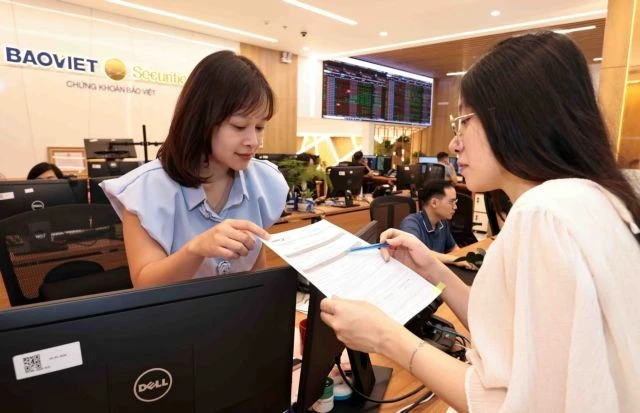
[{"x": 46, "y": 106}]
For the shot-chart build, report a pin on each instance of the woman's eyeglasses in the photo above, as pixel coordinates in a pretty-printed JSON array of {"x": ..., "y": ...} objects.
[{"x": 456, "y": 123}]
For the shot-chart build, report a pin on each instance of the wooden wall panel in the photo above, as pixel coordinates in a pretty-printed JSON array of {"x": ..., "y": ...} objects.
[{"x": 280, "y": 133}]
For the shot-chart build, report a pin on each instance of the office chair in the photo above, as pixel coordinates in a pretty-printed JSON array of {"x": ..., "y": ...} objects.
[
  {"x": 390, "y": 210},
  {"x": 462, "y": 222},
  {"x": 492, "y": 200},
  {"x": 62, "y": 251}
]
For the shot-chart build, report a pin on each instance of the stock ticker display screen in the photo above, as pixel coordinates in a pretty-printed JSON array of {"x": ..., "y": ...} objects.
[{"x": 358, "y": 93}]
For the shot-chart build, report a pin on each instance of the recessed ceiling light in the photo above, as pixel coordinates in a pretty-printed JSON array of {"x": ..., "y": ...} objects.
[
  {"x": 306, "y": 48},
  {"x": 188, "y": 19},
  {"x": 456, "y": 73},
  {"x": 597, "y": 59},
  {"x": 383, "y": 34},
  {"x": 320, "y": 11},
  {"x": 575, "y": 29},
  {"x": 495, "y": 13}
]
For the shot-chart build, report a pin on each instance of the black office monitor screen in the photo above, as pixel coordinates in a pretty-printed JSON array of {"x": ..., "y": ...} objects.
[
  {"x": 219, "y": 344},
  {"x": 345, "y": 178},
  {"x": 23, "y": 196},
  {"x": 409, "y": 177},
  {"x": 383, "y": 164},
  {"x": 427, "y": 159},
  {"x": 372, "y": 161},
  {"x": 109, "y": 148}
]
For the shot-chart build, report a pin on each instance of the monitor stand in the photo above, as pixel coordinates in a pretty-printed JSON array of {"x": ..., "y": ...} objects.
[{"x": 357, "y": 404}]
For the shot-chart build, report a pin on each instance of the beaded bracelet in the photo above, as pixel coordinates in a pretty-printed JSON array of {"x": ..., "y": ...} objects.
[{"x": 415, "y": 350}]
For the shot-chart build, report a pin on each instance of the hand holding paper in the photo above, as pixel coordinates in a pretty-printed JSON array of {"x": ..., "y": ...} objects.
[{"x": 319, "y": 252}]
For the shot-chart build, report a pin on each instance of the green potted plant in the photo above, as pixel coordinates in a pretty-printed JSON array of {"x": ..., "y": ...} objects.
[{"x": 299, "y": 176}]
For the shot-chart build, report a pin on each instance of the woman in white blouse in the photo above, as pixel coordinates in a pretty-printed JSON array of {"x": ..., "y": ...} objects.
[{"x": 554, "y": 312}]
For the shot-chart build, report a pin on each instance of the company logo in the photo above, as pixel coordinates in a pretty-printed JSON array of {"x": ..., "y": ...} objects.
[
  {"x": 35, "y": 205},
  {"x": 115, "y": 69},
  {"x": 41, "y": 58},
  {"x": 152, "y": 385}
]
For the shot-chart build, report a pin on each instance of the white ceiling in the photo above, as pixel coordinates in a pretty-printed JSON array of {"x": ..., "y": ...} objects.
[{"x": 414, "y": 21}]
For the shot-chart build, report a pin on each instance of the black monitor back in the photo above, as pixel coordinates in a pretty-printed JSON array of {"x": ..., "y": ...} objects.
[
  {"x": 409, "y": 177},
  {"x": 97, "y": 195},
  {"x": 345, "y": 178},
  {"x": 23, "y": 196},
  {"x": 109, "y": 148},
  {"x": 226, "y": 343},
  {"x": 321, "y": 349},
  {"x": 111, "y": 168}
]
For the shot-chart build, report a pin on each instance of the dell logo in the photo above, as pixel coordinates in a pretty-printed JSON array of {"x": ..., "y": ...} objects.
[
  {"x": 152, "y": 385},
  {"x": 35, "y": 205}
]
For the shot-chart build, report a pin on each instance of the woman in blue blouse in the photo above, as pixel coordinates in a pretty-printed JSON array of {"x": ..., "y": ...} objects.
[{"x": 196, "y": 210}]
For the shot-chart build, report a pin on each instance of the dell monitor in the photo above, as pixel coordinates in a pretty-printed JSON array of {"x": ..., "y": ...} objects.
[
  {"x": 109, "y": 148},
  {"x": 23, "y": 196},
  {"x": 346, "y": 178},
  {"x": 217, "y": 344}
]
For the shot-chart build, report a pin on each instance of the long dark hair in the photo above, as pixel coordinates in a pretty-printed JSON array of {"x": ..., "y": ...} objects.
[
  {"x": 43, "y": 167},
  {"x": 534, "y": 97},
  {"x": 222, "y": 84}
]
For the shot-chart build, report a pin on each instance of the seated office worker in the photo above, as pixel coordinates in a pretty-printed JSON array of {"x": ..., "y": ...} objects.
[
  {"x": 431, "y": 224},
  {"x": 358, "y": 159},
  {"x": 554, "y": 310},
  {"x": 449, "y": 171},
  {"x": 196, "y": 210},
  {"x": 45, "y": 170}
]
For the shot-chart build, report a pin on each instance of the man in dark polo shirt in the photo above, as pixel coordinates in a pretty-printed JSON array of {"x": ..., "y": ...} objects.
[{"x": 431, "y": 224}]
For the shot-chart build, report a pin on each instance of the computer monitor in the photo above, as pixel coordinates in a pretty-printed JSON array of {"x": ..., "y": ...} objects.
[
  {"x": 109, "y": 148},
  {"x": 409, "y": 177},
  {"x": 383, "y": 164},
  {"x": 322, "y": 348},
  {"x": 345, "y": 178},
  {"x": 372, "y": 161},
  {"x": 96, "y": 194},
  {"x": 454, "y": 161},
  {"x": 432, "y": 172},
  {"x": 111, "y": 168},
  {"x": 216, "y": 344},
  {"x": 428, "y": 159},
  {"x": 24, "y": 196}
]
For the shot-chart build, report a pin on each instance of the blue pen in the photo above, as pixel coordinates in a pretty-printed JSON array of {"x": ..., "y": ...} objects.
[{"x": 368, "y": 247}]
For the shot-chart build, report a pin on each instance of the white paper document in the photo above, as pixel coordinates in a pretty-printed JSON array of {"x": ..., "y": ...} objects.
[{"x": 319, "y": 252}]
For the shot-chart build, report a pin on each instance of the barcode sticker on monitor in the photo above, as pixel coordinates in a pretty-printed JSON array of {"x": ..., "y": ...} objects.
[
  {"x": 6, "y": 196},
  {"x": 341, "y": 173},
  {"x": 47, "y": 360},
  {"x": 28, "y": 190}
]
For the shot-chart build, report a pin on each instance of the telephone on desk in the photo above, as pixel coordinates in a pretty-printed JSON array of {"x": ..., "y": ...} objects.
[{"x": 391, "y": 173}]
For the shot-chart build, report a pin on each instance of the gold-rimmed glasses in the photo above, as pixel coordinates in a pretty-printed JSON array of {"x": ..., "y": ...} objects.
[{"x": 456, "y": 123}]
